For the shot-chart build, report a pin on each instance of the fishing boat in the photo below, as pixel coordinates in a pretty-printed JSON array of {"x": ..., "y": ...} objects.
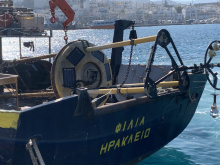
[
  {"x": 103, "y": 24},
  {"x": 102, "y": 114}
]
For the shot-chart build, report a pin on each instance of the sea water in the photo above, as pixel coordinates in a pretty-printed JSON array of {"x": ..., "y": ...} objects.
[{"x": 199, "y": 143}]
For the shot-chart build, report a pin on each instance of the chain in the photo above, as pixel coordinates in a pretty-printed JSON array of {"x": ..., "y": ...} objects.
[
  {"x": 53, "y": 18},
  {"x": 65, "y": 36},
  {"x": 129, "y": 64}
]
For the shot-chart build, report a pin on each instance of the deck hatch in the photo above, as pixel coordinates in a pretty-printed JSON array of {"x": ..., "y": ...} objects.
[
  {"x": 69, "y": 77},
  {"x": 75, "y": 56}
]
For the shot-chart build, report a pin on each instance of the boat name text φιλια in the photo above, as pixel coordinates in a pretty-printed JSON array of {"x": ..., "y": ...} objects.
[
  {"x": 130, "y": 125},
  {"x": 125, "y": 126}
]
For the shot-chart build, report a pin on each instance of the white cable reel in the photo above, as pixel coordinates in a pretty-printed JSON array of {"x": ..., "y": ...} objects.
[{"x": 73, "y": 67}]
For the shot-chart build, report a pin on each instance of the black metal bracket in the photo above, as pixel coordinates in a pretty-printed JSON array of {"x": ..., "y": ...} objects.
[
  {"x": 116, "y": 56},
  {"x": 84, "y": 106},
  {"x": 163, "y": 39}
]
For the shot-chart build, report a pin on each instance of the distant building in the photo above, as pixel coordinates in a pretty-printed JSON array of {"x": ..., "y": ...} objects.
[
  {"x": 6, "y": 3},
  {"x": 164, "y": 14},
  {"x": 189, "y": 12},
  {"x": 179, "y": 17}
]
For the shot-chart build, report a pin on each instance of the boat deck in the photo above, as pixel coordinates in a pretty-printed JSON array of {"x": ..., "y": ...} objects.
[{"x": 9, "y": 103}]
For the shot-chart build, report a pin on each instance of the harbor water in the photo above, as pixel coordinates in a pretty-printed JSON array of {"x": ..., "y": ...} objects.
[{"x": 199, "y": 143}]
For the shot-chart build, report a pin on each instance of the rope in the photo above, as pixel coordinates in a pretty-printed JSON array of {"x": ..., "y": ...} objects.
[
  {"x": 96, "y": 99},
  {"x": 139, "y": 76}
]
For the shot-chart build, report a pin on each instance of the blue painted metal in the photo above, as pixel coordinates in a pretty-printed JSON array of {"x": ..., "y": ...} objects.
[
  {"x": 75, "y": 56},
  {"x": 7, "y": 141},
  {"x": 69, "y": 77},
  {"x": 98, "y": 55},
  {"x": 120, "y": 133}
]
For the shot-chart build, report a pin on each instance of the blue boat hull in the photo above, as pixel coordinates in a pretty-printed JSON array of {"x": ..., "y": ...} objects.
[{"x": 119, "y": 133}]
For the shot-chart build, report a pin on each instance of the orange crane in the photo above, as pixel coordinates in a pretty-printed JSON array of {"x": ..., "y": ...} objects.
[{"x": 66, "y": 9}]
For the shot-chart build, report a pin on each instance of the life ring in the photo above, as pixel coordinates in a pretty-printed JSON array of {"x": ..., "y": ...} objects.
[{"x": 73, "y": 67}]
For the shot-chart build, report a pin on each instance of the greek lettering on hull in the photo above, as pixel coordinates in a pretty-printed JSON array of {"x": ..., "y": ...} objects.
[{"x": 129, "y": 139}]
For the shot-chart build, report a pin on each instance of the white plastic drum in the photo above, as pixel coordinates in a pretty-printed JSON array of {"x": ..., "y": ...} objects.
[{"x": 73, "y": 67}]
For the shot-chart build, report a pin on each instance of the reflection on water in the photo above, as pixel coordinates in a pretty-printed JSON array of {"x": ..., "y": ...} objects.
[{"x": 168, "y": 156}]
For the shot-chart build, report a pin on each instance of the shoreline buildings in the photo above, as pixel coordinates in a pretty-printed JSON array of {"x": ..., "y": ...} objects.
[{"x": 142, "y": 12}]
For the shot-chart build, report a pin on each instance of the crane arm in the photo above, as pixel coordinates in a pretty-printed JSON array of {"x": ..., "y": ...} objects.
[{"x": 66, "y": 9}]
